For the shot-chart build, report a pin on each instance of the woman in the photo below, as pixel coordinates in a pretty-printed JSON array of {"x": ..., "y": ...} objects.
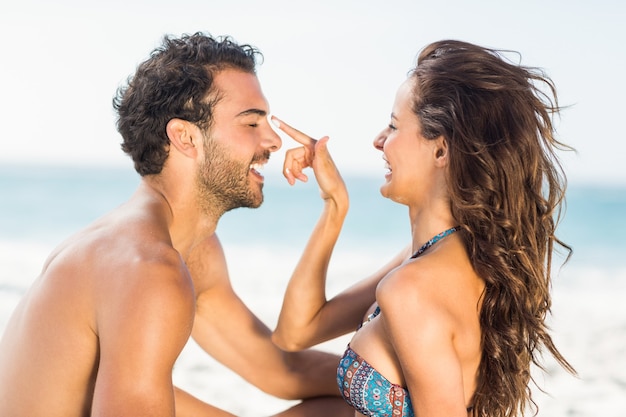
[{"x": 452, "y": 325}]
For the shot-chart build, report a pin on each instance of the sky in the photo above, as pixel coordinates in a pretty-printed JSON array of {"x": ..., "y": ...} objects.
[{"x": 330, "y": 67}]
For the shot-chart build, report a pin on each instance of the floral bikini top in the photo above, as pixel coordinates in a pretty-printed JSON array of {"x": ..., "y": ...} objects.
[{"x": 363, "y": 387}]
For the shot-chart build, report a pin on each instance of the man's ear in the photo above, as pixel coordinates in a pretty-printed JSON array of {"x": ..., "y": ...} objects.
[
  {"x": 183, "y": 136},
  {"x": 441, "y": 151}
]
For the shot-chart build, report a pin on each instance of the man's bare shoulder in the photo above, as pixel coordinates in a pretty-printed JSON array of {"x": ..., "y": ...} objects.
[
  {"x": 119, "y": 271},
  {"x": 207, "y": 265},
  {"x": 127, "y": 248}
]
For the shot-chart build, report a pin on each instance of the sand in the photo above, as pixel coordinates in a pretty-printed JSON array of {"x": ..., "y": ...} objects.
[{"x": 588, "y": 322}]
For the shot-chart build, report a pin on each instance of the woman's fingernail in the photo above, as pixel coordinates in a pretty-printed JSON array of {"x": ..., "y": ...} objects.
[{"x": 275, "y": 121}]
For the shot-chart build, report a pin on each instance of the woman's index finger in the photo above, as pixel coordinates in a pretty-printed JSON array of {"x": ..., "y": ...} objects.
[{"x": 294, "y": 133}]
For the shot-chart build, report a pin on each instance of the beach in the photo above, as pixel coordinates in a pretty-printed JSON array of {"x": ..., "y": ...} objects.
[
  {"x": 42, "y": 206},
  {"x": 588, "y": 322}
]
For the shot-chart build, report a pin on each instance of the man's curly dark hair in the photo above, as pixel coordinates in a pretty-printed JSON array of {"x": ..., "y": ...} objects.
[{"x": 176, "y": 81}]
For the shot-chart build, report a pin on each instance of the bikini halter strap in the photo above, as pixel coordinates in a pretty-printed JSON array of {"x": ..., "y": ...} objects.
[{"x": 434, "y": 240}]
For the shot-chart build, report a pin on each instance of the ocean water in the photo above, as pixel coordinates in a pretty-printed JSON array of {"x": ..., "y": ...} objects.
[
  {"x": 43, "y": 205},
  {"x": 40, "y": 206}
]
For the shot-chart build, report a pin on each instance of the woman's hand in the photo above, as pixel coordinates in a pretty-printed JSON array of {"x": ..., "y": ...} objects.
[{"x": 314, "y": 154}]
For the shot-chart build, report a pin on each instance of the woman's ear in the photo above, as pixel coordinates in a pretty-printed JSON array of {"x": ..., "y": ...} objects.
[
  {"x": 183, "y": 136},
  {"x": 441, "y": 151}
]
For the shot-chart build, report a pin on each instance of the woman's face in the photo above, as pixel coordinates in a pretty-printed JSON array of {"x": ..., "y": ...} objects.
[{"x": 407, "y": 154}]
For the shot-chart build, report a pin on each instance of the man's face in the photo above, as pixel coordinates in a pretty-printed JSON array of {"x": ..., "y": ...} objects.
[{"x": 237, "y": 144}]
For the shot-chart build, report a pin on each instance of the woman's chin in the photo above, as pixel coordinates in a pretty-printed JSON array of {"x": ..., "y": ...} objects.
[{"x": 384, "y": 190}]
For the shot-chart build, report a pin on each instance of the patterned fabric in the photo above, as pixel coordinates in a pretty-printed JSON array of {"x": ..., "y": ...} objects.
[
  {"x": 368, "y": 391},
  {"x": 363, "y": 387},
  {"x": 434, "y": 240}
]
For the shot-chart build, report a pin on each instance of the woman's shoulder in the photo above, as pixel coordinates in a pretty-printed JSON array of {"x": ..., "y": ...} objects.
[
  {"x": 410, "y": 286},
  {"x": 426, "y": 272},
  {"x": 432, "y": 284}
]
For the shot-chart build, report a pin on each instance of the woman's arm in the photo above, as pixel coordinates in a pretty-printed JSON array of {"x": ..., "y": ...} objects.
[{"x": 307, "y": 317}]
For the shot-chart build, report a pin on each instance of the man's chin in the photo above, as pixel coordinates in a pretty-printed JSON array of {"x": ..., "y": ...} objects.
[
  {"x": 251, "y": 203},
  {"x": 256, "y": 197},
  {"x": 255, "y": 204}
]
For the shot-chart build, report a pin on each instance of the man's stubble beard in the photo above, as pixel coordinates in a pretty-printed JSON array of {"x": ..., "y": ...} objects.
[{"x": 224, "y": 184}]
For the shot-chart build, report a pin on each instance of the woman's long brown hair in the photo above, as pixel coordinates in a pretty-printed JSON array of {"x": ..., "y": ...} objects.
[{"x": 506, "y": 189}]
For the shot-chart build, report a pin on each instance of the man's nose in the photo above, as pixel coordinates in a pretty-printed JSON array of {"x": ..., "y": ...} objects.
[{"x": 272, "y": 140}]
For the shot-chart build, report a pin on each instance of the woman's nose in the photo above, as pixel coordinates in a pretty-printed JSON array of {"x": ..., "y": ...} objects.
[{"x": 379, "y": 140}]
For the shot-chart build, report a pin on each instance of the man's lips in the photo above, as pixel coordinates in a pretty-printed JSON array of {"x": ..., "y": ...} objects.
[{"x": 256, "y": 167}]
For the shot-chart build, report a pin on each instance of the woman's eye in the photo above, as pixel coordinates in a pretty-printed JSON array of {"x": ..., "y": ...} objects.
[
  {"x": 392, "y": 127},
  {"x": 253, "y": 125}
]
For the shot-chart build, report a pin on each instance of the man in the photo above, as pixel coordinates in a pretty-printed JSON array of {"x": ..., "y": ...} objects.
[{"x": 100, "y": 329}]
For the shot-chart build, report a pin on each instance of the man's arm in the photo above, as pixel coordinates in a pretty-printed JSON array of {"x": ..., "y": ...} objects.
[
  {"x": 189, "y": 406},
  {"x": 144, "y": 318},
  {"x": 228, "y": 331}
]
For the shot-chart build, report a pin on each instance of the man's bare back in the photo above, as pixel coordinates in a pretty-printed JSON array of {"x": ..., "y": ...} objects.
[{"x": 90, "y": 286}]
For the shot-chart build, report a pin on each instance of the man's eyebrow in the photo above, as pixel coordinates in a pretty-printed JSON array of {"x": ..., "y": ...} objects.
[{"x": 248, "y": 112}]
